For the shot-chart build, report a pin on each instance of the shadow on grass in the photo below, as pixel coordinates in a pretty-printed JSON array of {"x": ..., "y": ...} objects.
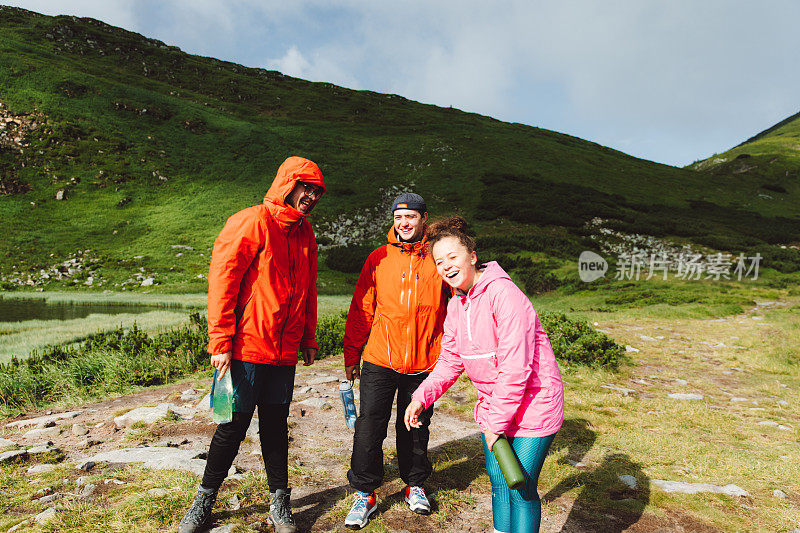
[
  {"x": 316, "y": 503},
  {"x": 462, "y": 461},
  {"x": 605, "y": 503},
  {"x": 456, "y": 464},
  {"x": 320, "y": 502}
]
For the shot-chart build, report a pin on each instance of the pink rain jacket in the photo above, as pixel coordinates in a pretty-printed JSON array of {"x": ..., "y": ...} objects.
[{"x": 493, "y": 334}]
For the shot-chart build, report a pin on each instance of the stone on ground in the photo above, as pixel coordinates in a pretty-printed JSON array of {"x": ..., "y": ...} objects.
[
  {"x": 42, "y": 420},
  {"x": 45, "y": 516},
  {"x": 7, "y": 457},
  {"x": 227, "y": 528},
  {"x": 683, "y": 487},
  {"x": 41, "y": 450},
  {"x": 49, "y": 498},
  {"x": 234, "y": 503},
  {"x": 686, "y": 396},
  {"x": 157, "y": 458},
  {"x": 623, "y": 390},
  {"x": 319, "y": 403},
  {"x": 148, "y": 415},
  {"x": 43, "y": 433},
  {"x": 39, "y": 469},
  {"x": 323, "y": 379},
  {"x": 204, "y": 404}
]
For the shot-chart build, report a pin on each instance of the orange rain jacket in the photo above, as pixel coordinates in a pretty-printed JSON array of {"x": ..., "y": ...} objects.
[
  {"x": 399, "y": 305},
  {"x": 262, "y": 283}
]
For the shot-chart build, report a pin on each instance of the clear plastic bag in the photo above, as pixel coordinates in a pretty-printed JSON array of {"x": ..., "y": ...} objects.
[{"x": 222, "y": 398}]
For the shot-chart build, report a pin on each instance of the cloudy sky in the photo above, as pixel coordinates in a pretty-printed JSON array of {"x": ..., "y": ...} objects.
[{"x": 668, "y": 80}]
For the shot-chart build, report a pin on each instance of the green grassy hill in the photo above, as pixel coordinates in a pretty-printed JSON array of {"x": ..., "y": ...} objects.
[
  {"x": 769, "y": 161},
  {"x": 137, "y": 152}
]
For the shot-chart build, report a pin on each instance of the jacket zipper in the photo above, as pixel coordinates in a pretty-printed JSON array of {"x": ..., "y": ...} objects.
[
  {"x": 291, "y": 295},
  {"x": 408, "y": 304},
  {"x": 469, "y": 328},
  {"x": 388, "y": 350}
]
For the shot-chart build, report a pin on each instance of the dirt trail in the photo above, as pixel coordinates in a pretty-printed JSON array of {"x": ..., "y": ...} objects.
[{"x": 320, "y": 442}]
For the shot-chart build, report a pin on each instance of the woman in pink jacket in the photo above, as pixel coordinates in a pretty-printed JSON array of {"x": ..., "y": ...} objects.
[{"x": 493, "y": 334}]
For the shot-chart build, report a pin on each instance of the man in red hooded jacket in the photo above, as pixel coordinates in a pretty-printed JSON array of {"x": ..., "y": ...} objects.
[{"x": 262, "y": 310}]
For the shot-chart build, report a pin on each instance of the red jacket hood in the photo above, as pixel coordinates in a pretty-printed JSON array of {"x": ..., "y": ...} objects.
[{"x": 291, "y": 171}]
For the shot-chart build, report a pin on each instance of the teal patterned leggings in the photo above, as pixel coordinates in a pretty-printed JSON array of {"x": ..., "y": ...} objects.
[{"x": 518, "y": 511}]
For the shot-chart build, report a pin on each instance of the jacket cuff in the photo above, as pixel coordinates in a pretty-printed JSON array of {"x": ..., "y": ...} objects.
[
  {"x": 305, "y": 344},
  {"x": 420, "y": 397},
  {"x": 351, "y": 356},
  {"x": 221, "y": 345},
  {"x": 497, "y": 428}
]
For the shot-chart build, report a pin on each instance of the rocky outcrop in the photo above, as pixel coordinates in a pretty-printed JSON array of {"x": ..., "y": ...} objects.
[{"x": 14, "y": 130}]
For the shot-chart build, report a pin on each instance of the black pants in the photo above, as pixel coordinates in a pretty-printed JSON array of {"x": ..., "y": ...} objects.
[
  {"x": 377, "y": 391},
  {"x": 273, "y": 433},
  {"x": 270, "y": 388}
]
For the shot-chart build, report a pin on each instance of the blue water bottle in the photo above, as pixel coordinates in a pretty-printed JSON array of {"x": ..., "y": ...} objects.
[{"x": 348, "y": 403}]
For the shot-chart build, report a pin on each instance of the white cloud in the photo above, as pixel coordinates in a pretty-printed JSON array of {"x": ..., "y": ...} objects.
[
  {"x": 292, "y": 63},
  {"x": 323, "y": 65}
]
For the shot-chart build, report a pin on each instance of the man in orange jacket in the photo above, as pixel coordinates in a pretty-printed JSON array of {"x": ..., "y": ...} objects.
[
  {"x": 262, "y": 309},
  {"x": 396, "y": 317}
]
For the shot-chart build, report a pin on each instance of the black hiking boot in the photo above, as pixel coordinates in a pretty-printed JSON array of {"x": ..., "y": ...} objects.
[
  {"x": 198, "y": 514},
  {"x": 280, "y": 511}
]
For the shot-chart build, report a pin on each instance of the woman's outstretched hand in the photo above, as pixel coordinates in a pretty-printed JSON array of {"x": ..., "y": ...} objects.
[{"x": 412, "y": 414}]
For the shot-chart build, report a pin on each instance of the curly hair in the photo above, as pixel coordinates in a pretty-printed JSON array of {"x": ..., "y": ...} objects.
[{"x": 452, "y": 227}]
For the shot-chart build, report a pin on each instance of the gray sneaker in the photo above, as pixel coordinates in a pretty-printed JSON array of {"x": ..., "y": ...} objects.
[
  {"x": 200, "y": 511},
  {"x": 280, "y": 511}
]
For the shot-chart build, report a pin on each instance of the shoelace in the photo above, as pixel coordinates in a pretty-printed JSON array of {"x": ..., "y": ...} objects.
[
  {"x": 361, "y": 502},
  {"x": 282, "y": 512},
  {"x": 199, "y": 510},
  {"x": 416, "y": 492}
]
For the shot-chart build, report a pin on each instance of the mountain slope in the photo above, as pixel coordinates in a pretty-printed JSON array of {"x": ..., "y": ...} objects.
[
  {"x": 136, "y": 151},
  {"x": 769, "y": 160}
]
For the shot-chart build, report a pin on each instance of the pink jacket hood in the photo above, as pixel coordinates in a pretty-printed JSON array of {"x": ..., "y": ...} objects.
[{"x": 494, "y": 335}]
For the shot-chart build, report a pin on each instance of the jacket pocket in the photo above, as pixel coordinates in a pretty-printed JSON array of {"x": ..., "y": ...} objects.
[
  {"x": 241, "y": 313},
  {"x": 538, "y": 408},
  {"x": 481, "y": 368}
]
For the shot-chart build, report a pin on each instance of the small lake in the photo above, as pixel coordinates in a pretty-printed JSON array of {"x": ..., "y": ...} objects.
[{"x": 17, "y": 310}]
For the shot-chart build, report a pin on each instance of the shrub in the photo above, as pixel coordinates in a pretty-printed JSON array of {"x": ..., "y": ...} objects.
[
  {"x": 544, "y": 202},
  {"x": 565, "y": 247},
  {"x": 781, "y": 259},
  {"x": 330, "y": 334},
  {"x": 576, "y": 342},
  {"x": 349, "y": 258},
  {"x": 537, "y": 278},
  {"x": 116, "y": 360},
  {"x": 72, "y": 89},
  {"x": 105, "y": 362}
]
